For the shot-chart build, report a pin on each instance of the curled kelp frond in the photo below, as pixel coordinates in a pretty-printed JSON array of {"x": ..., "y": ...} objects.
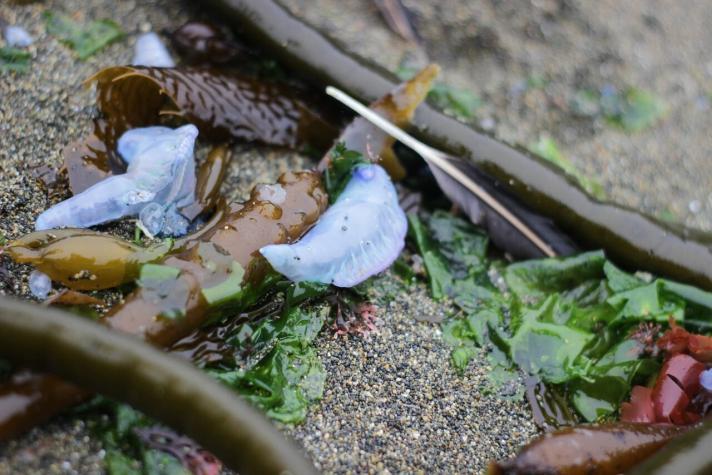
[
  {"x": 398, "y": 106},
  {"x": 150, "y": 51},
  {"x": 359, "y": 236},
  {"x": 160, "y": 177},
  {"x": 224, "y": 105}
]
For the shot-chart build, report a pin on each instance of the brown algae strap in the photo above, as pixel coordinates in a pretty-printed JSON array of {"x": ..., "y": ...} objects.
[
  {"x": 161, "y": 385},
  {"x": 628, "y": 237},
  {"x": 687, "y": 454}
]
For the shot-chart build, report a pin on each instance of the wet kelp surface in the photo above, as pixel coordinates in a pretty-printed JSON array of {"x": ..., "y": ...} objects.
[{"x": 400, "y": 293}]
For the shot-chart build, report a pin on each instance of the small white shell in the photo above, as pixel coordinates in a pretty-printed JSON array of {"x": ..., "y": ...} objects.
[{"x": 150, "y": 51}]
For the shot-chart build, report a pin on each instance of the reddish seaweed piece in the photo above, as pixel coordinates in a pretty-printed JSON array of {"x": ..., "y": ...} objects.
[
  {"x": 669, "y": 400},
  {"x": 223, "y": 104},
  {"x": 640, "y": 408},
  {"x": 678, "y": 340}
]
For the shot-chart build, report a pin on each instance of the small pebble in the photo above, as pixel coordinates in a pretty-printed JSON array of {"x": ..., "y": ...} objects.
[
  {"x": 150, "y": 51},
  {"x": 40, "y": 284},
  {"x": 17, "y": 36},
  {"x": 487, "y": 123},
  {"x": 694, "y": 206}
]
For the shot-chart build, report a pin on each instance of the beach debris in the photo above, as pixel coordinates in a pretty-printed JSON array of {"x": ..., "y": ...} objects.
[
  {"x": 360, "y": 235},
  {"x": 604, "y": 449},
  {"x": 150, "y": 51},
  {"x": 160, "y": 173},
  {"x": 221, "y": 269},
  {"x": 17, "y": 37}
]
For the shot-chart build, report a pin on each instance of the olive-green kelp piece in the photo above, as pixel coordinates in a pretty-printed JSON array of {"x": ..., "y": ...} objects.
[
  {"x": 687, "y": 454},
  {"x": 630, "y": 238},
  {"x": 162, "y": 386}
]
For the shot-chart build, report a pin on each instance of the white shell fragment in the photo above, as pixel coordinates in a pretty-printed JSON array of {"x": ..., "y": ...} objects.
[
  {"x": 359, "y": 236},
  {"x": 160, "y": 174},
  {"x": 17, "y": 37},
  {"x": 150, "y": 51}
]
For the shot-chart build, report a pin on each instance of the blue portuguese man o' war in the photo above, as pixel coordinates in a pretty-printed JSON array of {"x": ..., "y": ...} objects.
[
  {"x": 359, "y": 236},
  {"x": 159, "y": 180}
]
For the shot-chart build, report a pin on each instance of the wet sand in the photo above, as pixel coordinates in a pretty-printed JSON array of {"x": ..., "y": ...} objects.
[{"x": 392, "y": 402}]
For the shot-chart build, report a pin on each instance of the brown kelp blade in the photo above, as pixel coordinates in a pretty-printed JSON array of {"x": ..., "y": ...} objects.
[
  {"x": 224, "y": 105},
  {"x": 605, "y": 449},
  {"x": 210, "y": 176}
]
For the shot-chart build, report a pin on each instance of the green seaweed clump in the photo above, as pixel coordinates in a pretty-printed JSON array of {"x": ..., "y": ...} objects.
[{"x": 578, "y": 324}]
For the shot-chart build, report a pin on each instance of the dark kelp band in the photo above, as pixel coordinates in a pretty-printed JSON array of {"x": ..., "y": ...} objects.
[{"x": 131, "y": 371}]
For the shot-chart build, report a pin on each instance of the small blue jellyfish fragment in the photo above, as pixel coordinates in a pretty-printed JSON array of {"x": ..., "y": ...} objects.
[
  {"x": 706, "y": 380},
  {"x": 151, "y": 219},
  {"x": 174, "y": 223},
  {"x": 40, "y": 284},
  {"x": 150, "y": 51},
  {"x": 160, "y": 173},
  {"x": 360, "y": 235},
  {"x": 17, "y": 36}
]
